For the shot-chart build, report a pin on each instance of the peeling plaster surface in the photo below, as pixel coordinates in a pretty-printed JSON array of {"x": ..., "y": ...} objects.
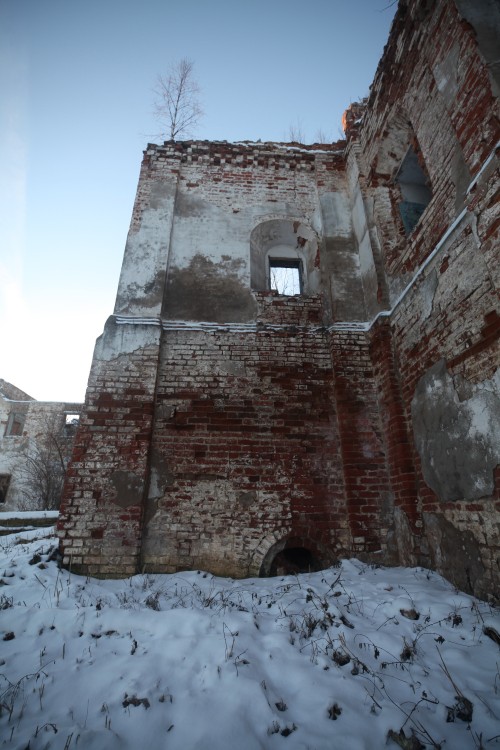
[
  {"x": 146, "y": 255},
  {"x": 457, "y": 433},
  {"x": 209, "y": 291},
  {"x": 128, "y": 488},
  {"x": 336, "y": 215},
  {"x": 202, "y": 228},
  {"x": 428, "y": 290},
  {"x": 445, "y": 74},
  {"x": 124, "y": 339},
  {"x": 485, "y": 18},
  {"x": 342, "y": 266},
  {"x": 455, "y": 553}
]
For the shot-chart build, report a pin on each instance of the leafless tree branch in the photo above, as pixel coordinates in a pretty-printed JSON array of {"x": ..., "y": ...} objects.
[
  {"x": 177, "y": 107},
  {"x": 296, "y": 133},
  {"x": 44, "y": 465}
]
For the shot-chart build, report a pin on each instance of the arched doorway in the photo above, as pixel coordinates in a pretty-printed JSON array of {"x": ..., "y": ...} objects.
[{"x": 292, "y": 556}]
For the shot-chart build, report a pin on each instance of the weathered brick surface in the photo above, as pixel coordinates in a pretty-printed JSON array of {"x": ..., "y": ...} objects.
[
  {"x": 245, "y": 449},
  {"x": 100, "y": 520},
  {"x": 444, "y": 102},
  {"x": 226, "y": 421},
  {"x": 232, "y": 175}
]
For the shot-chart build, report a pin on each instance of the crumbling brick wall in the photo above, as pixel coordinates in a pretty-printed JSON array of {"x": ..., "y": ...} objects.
[
  {"x": 210, "y": 433},
  {"x": 442, "y": 281},
  {"x": 227, "y": 423},
  {"x": 245, "y": 447},
  {"x": 36, "y": 442}
]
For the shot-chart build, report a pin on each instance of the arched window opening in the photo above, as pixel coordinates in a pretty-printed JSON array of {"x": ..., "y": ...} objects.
[
  {"x": 284, "y": 258},
  {"x": 414, "y": 183},
  {"x": 399, "y": 166}
]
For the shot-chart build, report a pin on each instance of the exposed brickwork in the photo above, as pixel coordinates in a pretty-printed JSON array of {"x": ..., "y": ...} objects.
[
  {"x": 101, "y": 519},
  {"x": 245, "y": 445},
  {"x": 456, "y": 129},
  {"x": 368, "y": 493},
  {"x": 451, "y": 313},
  {"x": 227, "y": 422},
  {"x": 233, "y": 175}
]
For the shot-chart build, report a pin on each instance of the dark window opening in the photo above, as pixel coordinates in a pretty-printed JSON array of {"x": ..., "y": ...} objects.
[
  {"x": 414, "y": 185},
  {"x": 4, "y": 487},
  {"x": 15, "y": 425},
  {"x": 285, "y": 276}
]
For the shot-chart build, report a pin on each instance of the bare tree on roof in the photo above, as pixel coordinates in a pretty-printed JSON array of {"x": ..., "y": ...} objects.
[
  {"x": 177, "y": 106},
  {"x": 296, "y": 133}
]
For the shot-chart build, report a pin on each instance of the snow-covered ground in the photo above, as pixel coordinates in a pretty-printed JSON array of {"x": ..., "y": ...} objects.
[
  {"x": 27, "y": 515},
  {"x": 351, "y": 658}
]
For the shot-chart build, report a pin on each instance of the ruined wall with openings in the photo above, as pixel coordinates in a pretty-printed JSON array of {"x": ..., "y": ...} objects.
[
  {"x": 36, "y": 442},
  {"x": 441, "y": 281},
  {"x": 228, "y": 424}
]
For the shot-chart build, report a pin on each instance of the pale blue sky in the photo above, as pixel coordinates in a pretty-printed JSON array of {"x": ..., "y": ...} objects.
[{"x": 76, "y": 112}]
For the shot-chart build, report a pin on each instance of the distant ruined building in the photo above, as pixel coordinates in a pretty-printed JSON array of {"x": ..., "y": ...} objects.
[
  {"x": 303, "y": 360},
  {"x": 36, "y": 441}
]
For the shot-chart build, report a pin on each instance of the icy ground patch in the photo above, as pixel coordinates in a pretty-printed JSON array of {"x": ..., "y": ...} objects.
[{"x": 353, "y": 657}]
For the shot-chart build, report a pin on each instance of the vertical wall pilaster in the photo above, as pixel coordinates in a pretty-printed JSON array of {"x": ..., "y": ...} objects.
[{"x": 101, "y": 514}]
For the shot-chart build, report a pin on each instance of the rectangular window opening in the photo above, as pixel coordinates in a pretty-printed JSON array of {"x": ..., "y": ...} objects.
[
  {"x": 285, "y": 276},
  {"x": 15, "y": 425},
  {"x": 71, "y": 423}
]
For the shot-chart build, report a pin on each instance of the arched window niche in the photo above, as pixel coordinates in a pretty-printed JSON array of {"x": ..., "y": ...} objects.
[
  {"x": 400, "y": 164},
  {"x": 414, "y": 185},
  {"x": 284, "y": 257}
]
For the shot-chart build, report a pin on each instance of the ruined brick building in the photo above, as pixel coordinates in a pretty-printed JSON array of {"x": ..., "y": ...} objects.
[
  {"x": 238, "y": 425},
  {"x": 36, "y": 441}
]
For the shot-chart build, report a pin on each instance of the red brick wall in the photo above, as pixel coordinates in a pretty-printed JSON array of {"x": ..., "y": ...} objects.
[
  {"x": 292, "y": 425},
  {"x": 101, "y": 513},
  {"x": 433, "y": 84},
  {"x": 245, "y": 444},
  {"x": 368, "y": 491}
]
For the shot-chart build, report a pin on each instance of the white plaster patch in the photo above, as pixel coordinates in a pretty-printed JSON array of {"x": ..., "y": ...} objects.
[
  {"x": 336, "y": 215},
  {"x": 213, "y": 233},
  {"x": 146, "y": 255},
  {"x": 458, "y": 439},
  {"x": 125, "y": 339}
]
